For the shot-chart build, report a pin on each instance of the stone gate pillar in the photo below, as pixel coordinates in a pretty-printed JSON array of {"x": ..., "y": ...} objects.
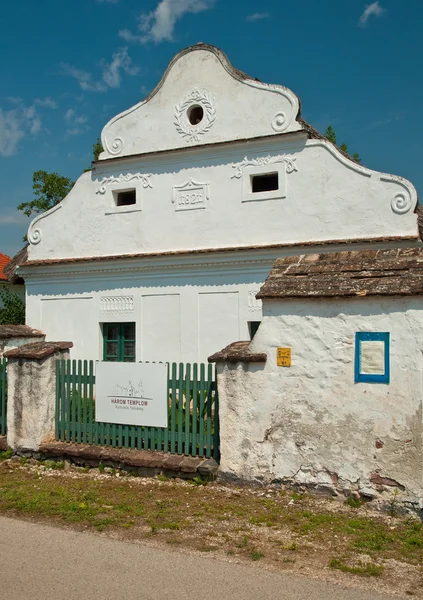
[{"x": 31, "y": 393}]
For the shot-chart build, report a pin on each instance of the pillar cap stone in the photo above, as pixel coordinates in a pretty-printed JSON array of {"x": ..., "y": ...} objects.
[
  {"x": 38, "y": 350},
  {"x": 238, "y": 352},
  {"x": 19, "y": 331}
]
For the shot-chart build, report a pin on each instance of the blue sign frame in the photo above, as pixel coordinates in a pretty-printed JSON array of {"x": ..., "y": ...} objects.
[{"x": 367, "y": 336}]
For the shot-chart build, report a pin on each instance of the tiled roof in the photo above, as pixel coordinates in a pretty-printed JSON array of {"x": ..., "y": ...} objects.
[
  {"x": 4, "y": 260},
  {"x": 359, "y": 273},
  {"x": 10, "y": 270}
]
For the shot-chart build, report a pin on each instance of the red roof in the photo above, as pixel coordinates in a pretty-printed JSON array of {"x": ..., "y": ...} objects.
[{"x": 4, "y": 260}]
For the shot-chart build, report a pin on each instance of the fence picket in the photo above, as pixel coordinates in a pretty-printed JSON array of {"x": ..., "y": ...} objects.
[
  {"x": 193, "y": 425},
  {"x": 91, "y": 408},
  {"x": 194, "y": 409},
  {"x": 201, "y": 420},
  {"x": 173, "y": 420},
  {"x": 209, "y": 410},
  {"x": 180, "y": 408},
  {"x": 187, "y": 407},
  {"x": 86, "y": 400}
]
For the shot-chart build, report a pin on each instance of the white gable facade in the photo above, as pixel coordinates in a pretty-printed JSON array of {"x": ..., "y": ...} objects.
[{"x": 200, "y": 187}]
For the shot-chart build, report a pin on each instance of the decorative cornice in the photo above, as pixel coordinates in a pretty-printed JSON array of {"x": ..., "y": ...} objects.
[
  {"x": 263, "y": 161},
  {"x": 144, "y": 178}
]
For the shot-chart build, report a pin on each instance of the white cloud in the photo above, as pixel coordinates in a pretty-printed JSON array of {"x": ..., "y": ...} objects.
[
  {"x": 17, "y": 122},
  {"x": 47, "y": 102},
  {"x": 111, "y": 75},
  {"x": 120, "y": 61},
  {"x": 258, "y": 16},
  {"x": 11, "y": 131},
  {"x": 76, "y": 123},
  {"x": 84, "y": 78},
  {"x": 371, "y": 10},
  {"x": 108, "y": 1},
  {"x": 159, "y": 24}
]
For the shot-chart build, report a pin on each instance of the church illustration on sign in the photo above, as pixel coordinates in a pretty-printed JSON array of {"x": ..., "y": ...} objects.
[{"x": 157, "y": 254}]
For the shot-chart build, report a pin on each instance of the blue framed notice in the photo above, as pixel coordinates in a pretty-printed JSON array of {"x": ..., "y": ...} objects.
[{"x": 372, "y": 362}]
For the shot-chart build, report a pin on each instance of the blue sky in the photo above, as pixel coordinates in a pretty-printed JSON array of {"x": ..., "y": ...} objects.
[{"x": 67, "y": 67}]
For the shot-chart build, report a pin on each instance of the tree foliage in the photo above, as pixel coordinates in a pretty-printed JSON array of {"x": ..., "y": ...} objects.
[
  {"x": 97, "y": 150},
  {"x": 50, "y": 188},
  {"x": 13, "y": 311},
  {"x": 331, "y": 136}
]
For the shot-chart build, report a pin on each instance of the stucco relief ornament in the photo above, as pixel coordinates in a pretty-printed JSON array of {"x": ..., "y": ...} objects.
[
  {"x": 279, "y": 121},
  {"x": 401, "y": 204},
  {"x": 34, "y": 236},
  {"x": 190, "y": 132},
  {"x": 115, "y": 147},
  {"x": 145, "y": 181},
  {"x": 263, "y": 161}
]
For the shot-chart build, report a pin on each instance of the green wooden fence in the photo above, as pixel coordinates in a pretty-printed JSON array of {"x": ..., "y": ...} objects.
[
  {"x": 3, "y": 396},
  {"x": 193, "y": 412}
]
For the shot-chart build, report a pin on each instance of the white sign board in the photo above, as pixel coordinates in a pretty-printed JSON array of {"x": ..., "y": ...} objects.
[{"x": 131, "y": 393}]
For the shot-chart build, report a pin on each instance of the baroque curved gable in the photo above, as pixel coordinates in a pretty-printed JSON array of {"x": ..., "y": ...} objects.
[{"x": 201, "y": 99}]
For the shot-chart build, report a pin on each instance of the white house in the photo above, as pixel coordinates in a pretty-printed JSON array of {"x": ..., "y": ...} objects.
[{"x": 159, "y": 251}]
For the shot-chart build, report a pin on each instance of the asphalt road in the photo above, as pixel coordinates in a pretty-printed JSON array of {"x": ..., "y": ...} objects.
[{"x": 39, "y": 562}]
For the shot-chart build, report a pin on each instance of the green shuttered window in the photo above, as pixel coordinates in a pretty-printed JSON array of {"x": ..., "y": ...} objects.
[{"x": 119, "y": 342}]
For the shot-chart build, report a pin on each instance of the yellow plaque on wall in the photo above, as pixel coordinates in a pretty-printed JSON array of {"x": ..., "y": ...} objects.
[{"x": 283, "y": 357}]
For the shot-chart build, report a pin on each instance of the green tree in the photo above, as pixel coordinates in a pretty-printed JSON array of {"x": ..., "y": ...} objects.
[
  {"x": 97, "y": 150},
  {"x": 50, "y": 188},
  {"x": 13, "y": 311},
  {"x": 331, "y": 136}
]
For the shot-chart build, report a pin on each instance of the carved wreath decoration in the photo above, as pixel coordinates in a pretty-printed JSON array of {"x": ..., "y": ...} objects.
[{"x": 184, "y": 127}]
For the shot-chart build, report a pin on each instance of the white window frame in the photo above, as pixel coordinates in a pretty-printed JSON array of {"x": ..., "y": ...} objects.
[
  {"x": 247, "y": 182},
  {"x": 113, "y": 208}
]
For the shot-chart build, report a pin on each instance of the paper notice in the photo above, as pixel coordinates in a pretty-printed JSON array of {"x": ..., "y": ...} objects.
[{"x": 372, "y": 358}]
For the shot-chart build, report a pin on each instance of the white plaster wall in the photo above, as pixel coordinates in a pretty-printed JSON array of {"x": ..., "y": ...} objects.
[
  {"x": 325, "y": 197},
  {"x": 310, "y": 422},
  {"x": 181, "y": 313}
]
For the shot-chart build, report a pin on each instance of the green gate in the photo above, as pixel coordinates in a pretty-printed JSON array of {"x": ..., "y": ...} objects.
[
  {"x": 193, "y": 412},
  {"x": 3, "y": 392}
]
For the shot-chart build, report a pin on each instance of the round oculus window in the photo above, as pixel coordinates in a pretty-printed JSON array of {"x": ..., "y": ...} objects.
[{"x": 195, "y": 114}]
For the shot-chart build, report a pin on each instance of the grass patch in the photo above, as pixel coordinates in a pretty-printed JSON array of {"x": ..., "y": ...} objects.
[
  {"x": 354, "y": 502},
  {"x": 6, "y": 454},
  {"x": 362, "y": 569},
  {"x": 256, "y": 555}
]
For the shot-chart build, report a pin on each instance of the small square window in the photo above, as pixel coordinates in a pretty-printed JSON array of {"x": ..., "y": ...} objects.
[
  {"x": 372, "y": 361},
  {"x": 126, "y": 198},
  {"x": 264, "y": 183}
]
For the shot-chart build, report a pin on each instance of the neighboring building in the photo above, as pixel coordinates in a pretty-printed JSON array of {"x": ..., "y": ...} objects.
[
  {"x": 159, "y": 251},
  {"x": 8, "y": 278}
]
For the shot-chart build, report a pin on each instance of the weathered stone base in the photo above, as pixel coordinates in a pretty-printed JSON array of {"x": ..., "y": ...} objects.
[
  {"x": 3, "y": 443},
  {"x": 142, "y": 462},
  {"x": 384, "y": 493}
]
